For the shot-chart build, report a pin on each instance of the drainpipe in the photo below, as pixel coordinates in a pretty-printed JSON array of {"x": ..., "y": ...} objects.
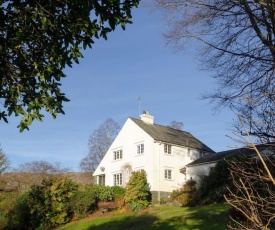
[{"x": 159, "y": 173}]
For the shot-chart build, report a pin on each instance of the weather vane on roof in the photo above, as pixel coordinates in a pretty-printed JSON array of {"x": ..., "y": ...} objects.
[{"x": 139, "y": 104}]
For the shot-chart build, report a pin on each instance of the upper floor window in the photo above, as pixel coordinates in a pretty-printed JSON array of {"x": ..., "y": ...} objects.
[
  {"x": 118, "y": 179},
  {"x": 118, "y": 154},
  {"x": 167, "y": 149},
  {"x": 188, "y": 152},
  {"x": 168, "y": 174},
  {"x": 140, "y": 149},
  {"x": 202, "y": 154}
]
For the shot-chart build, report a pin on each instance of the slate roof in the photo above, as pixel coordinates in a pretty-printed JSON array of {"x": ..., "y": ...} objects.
[
  {"x": 172, "y": 136},
  {"x": 221, "y": 155}
]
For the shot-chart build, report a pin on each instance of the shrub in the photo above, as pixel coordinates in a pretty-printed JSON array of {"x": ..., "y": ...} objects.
[
  {"x": 102, "y": 193},
  {"x": 7, "y": 201},
  {"x": 19, "y": 217},
  {"x": 49, "y": 202},
  {"x": 82, "y": 203},
  {"x": 187, "y": 195},
  {"x": 119, "y": 193},
  {"x": 213, "y": 186},
  {"x": 137, "y": 191}
]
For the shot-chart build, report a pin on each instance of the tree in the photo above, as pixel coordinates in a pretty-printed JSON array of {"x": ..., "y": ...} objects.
[
  {"x": 38, "y": 39},
  {"x": 99, "y": 143},
  {"x": 253, "y": 195},
  {"x": 34, "y": 172},
  {"x": 238, "y": 49},
  {"x": 4, "y": 162},
  {"x": 176, "y": 125}
]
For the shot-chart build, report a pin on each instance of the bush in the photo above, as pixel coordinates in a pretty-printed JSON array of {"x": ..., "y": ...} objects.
[
  {"x": 119, "y": 193},
  {"x": 213, "y": 186},
  {"x": 102, "y": 193},
  {"x": 7, "y": 201},
  {"x": 187, "y": 195},
  {"x": 137, "y": 191},
  {"x": 49, "y": 202},
  {"x": 19, "y": 217},
  {"x": 82, "y": 203}
]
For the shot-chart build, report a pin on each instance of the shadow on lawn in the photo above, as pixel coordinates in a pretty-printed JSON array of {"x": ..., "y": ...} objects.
[
  {"x": 201, "y": 219},
  {"x": 142, "y": 222}
]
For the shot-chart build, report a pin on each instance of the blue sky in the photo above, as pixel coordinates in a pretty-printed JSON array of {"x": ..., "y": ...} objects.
[{"x": 107, "y": 82}]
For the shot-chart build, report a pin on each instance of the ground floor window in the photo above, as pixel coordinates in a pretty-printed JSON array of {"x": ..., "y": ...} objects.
[
  {"x": 118, "y": 179},
  {"x": 101, "y": 179},
  {"x": 168, "y": 174}
]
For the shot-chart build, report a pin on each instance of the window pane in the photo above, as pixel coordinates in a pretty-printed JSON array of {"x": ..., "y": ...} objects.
[{"x": 168, "y": 174}]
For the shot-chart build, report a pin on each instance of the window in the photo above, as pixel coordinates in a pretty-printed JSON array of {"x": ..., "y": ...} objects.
[
  {"x": 168, "y": 174},
  {"x": 101, "y": 179},
  {"x": 118, "y": 154},
  {"x": 188, "y": 152},
  {"x": 118, "y": 179},
  {"x": 202, "y": 154},
  {"x": 167, "y": 149},
  {"x": 140, "y": 149}
]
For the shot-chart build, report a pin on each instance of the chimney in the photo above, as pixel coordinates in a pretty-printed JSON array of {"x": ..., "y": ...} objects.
[{"x": 147, "y": 118}]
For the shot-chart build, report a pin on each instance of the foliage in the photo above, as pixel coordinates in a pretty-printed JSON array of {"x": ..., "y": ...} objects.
[
  {"x": 187, "y": 195},
  {"x": 4, "y": 162},
  {"x": 19, "y": 217},
  {"x": 99, "y": 143},
  {"x": 39, "y": 39},
  {"x": 118, "y": 191},
  {"x": 119, "y": 196},
  {"x": 214, "y": 186},
  {"x": 103, "y": 193},
  {"x": 176, "y": 125},
  {"x": 7, "y": 201},
  {"x": 49, "y": 202},
  {"x": 82, "y": 203},
  {"x": 137, "y": 191}
]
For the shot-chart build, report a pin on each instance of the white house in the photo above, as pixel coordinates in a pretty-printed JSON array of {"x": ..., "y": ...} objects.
[{"x": 161, "y": 151}]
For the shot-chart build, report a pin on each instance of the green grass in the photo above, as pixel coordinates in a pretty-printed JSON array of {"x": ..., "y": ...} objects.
[{"x": 212, "y": 217}]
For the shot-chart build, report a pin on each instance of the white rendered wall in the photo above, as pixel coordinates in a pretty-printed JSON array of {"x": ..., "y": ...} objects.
[
  {"x": 128, "y": 138},
  {"x": 194, "y": 171},
  {"x": 175, "y": 161}
]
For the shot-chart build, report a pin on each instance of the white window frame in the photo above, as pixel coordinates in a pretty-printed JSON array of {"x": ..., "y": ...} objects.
[
  {"x": 167, "y": 149},
  {"x": 117, "y": 154},
  {"x": 140, "y": 149},
  {"x": 168, "y": 174},
  {"x": 117, "y": 179}
]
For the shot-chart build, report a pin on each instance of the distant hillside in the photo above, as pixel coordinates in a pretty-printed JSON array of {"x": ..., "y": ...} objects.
[{"x": 22, "y": 181}]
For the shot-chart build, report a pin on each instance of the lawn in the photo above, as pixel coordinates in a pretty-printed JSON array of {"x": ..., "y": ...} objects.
[{"x": 212, "y": 217}]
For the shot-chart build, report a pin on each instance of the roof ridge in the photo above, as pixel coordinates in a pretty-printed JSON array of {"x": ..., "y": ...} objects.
[{"x": 162, "y": 126}]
